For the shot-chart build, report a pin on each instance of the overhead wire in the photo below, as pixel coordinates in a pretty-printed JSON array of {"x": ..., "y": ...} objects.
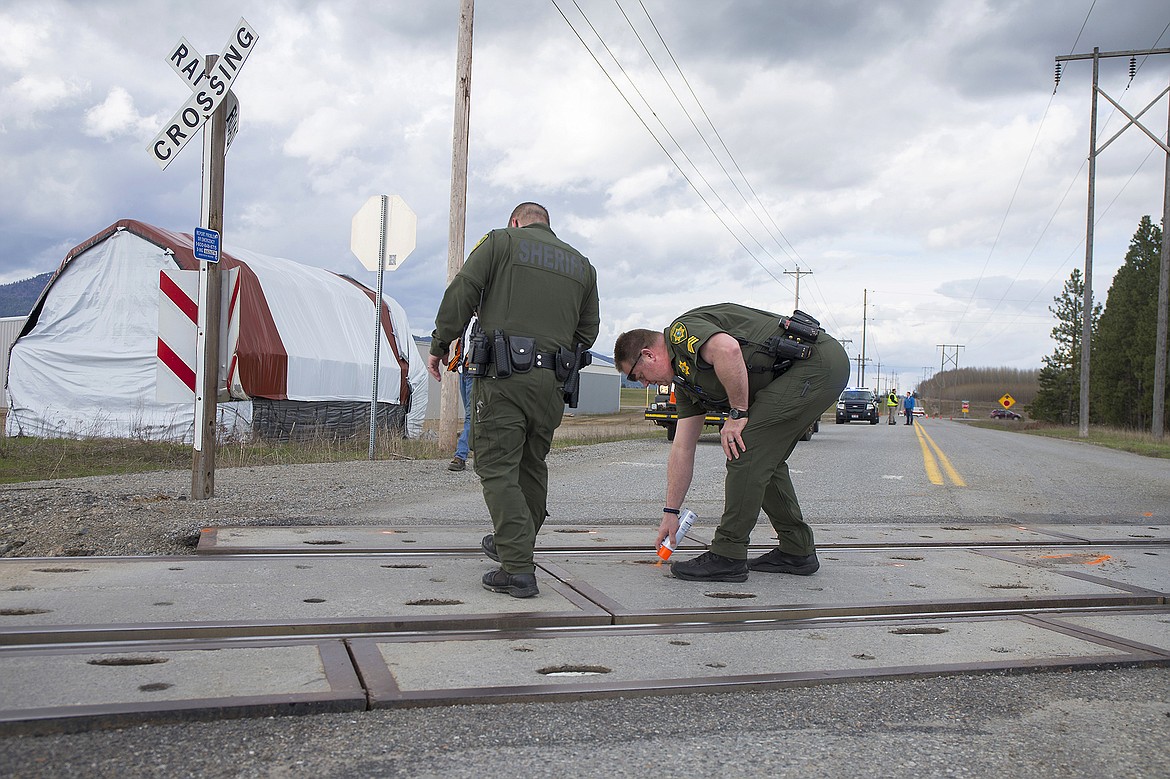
[
  {"x": 1134, "y": 69},
  {"x": 658, "y": 141}
]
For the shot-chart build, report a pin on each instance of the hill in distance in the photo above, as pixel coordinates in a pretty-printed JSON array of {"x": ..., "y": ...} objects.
[{"x": 17, "y": 298}]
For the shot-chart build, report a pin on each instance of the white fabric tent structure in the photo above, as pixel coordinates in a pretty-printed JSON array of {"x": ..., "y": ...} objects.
[{"x": 85, "y": 361}]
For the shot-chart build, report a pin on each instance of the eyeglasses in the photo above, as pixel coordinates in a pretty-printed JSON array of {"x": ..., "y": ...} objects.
[{"x": 630, "y": 374}]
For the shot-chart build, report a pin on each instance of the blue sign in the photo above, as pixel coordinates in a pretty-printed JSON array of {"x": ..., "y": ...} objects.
[{"x": 206, "y": 244}]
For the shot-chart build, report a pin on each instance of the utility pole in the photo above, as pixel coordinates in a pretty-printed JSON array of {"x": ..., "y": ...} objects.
[
  {"x": 797, "y": 273},
  {"x": 861, "y": 360},
  {"x": 1164, "y": 276},
  {"x": 864, "y": 316},
  {"x": 450, "y": 420}
]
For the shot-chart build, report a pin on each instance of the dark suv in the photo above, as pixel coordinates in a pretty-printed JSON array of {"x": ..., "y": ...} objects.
[{"x": 857, "y": 404}]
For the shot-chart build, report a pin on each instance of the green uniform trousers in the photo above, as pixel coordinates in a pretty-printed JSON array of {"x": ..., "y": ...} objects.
[
  {"x": 512, "y": 426},
  {"x": 779, "y": 415}
]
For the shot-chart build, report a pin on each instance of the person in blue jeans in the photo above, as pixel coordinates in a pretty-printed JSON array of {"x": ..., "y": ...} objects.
[
  {"x": 463, "y": 447},
  {"x": 908, "y": 405}
]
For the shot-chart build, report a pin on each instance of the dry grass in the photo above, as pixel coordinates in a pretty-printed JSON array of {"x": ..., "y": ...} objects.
[{"x": 35, "y": 459}]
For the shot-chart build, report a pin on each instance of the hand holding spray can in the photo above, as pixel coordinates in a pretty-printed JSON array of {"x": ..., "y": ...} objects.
[{"x": 686, "y": 518}]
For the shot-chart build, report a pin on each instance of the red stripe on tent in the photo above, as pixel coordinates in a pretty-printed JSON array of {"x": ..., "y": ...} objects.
[
  {"x": 173, "y": 361},
  {"x": 178, "y": 297}
]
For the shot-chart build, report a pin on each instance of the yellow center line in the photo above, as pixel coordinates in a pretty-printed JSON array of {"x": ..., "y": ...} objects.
[{"x": 932, "y": 470}]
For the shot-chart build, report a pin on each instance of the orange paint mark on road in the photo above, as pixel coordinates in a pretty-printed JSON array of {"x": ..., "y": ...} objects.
[{"x": 1099, "y": 559}]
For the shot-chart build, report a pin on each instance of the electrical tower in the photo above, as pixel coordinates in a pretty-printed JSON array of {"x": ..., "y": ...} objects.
[{"x": 1164, "y": 275}]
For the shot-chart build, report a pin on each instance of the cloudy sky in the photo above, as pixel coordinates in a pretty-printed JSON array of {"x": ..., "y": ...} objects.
[{"x": 911, "y": 154}]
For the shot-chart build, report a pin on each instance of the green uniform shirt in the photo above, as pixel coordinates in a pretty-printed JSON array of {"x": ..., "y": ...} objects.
[
  {"x": 699, "y": 388},
  {"x": 537, "y": 286}
]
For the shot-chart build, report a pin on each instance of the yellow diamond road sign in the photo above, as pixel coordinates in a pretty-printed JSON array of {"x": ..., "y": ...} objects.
[{"x": 1007, "y": 401}]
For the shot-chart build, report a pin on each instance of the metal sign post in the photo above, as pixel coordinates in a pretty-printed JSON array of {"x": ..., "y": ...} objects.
[
  {"x": 382, "y": 234},
  {"x": 211, "y": 99}
]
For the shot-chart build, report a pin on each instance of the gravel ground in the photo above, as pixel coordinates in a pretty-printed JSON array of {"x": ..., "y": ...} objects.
[{"x": 152, "y": 513}]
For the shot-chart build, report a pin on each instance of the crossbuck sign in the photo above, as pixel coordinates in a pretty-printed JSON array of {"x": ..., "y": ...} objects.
[{"x": 208, "y": 90}]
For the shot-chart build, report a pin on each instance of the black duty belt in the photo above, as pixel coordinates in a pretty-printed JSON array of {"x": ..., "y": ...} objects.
[{"x": 546, "y": 360}]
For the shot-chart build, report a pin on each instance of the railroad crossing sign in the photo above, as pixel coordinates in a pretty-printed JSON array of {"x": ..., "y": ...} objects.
[
  {"x": 1007, "y": 401},
  {"x": 208, "y": 91}
]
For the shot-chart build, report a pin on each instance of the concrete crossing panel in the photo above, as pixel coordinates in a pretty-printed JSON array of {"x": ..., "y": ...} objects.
[
  {"x": 81, "y": 688},
  {"x": 88, "y": 598},
  {"x": 595, "y": 663},
  {"x": 850, "y": 582}
]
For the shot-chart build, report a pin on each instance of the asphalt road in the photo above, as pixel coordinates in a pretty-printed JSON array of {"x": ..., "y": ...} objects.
[{"x": 1112, "y": 723}]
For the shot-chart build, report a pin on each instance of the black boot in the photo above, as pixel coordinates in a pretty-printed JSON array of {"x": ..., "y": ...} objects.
[
  {"x": 518, "y": 585},
  {"x": 488, "y": 545},
  {"x": 782, "y": 562},
  {"x": 711, "y": 567}
]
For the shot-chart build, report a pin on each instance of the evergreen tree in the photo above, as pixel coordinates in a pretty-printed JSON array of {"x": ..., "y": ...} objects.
[
  {"x": 1059, "y": 397},
  {"x": 1122, "y": 391}
]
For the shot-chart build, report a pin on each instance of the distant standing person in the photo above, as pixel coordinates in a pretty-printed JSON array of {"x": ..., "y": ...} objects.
[
  {"x": 908, "y": 405},
  {"x": 892, "y": 406},
  {"x": 537, "y": 301},
  {"x": 458, "y": 364},
  {"x": 775, "y": 376}
]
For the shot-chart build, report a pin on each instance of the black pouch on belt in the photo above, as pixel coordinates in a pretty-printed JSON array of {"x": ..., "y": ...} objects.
[
  {"x": 500, "y": 357},
  {"x": 522, "y": 352},
  {"x": 564, "y": 366}
]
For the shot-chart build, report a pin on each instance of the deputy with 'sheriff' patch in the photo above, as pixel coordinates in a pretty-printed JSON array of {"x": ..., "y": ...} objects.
[{"x": 536, "y": 297}]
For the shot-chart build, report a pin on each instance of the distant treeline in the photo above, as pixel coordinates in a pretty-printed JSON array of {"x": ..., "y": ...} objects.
[
  {"x": 17, "y": 298},
  {"x": 982, "y": 385}
]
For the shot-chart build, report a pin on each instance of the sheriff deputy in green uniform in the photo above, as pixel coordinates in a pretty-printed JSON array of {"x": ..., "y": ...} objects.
[
  {"x": 537, "y": 302},
  {"x": 775, "y": 375}
]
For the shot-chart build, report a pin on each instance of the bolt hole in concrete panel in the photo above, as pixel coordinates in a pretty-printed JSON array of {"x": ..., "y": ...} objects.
[
  {"x": 955, "y": 528},
  {"x": 60, "y": 570},
  {"x": 1009, "y": 587},
  {"x": 155, "y": 687},
  {"x": 22, "y": 612},
  {"x": 680, "y": 643},
  {"x": 434, "y": 602},
  {"x": 523, "y": 649},
  {"x": 409, "y": 541},
  {"x": 302, "y": 567},
  {"x": 729, "y": 595},
  {"x": 323, "y": 543},
  {"x": 126, "y": 660},
  {"x": 924, "y": 631},
  {"x": 404, "y": 565},
  {"x": 1151, "y": 554},
  {"x": 573, "y": 670},
  {"x": 896, "y": 557},
  {"x": 574, "y": 530},
  {"x": 164, "y": 603},
  {"x": 176, "y": 568},
  {"x": 20, "y": 588},
  {"x": 314, "y": 600}
]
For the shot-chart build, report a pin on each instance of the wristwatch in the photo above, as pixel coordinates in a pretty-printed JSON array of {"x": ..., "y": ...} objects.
[{"x": 735, "y": 413}]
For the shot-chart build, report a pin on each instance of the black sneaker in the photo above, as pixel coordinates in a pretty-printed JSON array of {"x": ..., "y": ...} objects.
[
  {"x": 518, "y": 585},
  {"x": 457, "y": 464},
  {"x": 488, "y": 545},
  {"x": 782, "y": 562},
  {"x": 711, "y": 567}
]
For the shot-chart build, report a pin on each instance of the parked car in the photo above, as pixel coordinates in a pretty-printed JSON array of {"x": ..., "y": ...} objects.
[
  {"x": 919, "y": 411},
  {"x": 860, "y": 404},
  {"x": 1003, "y": 413}
]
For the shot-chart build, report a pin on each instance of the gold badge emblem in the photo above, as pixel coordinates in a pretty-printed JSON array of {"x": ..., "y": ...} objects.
[
  {"x": 678, "y": 333},
  {"x": 684, "y": 368}
]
